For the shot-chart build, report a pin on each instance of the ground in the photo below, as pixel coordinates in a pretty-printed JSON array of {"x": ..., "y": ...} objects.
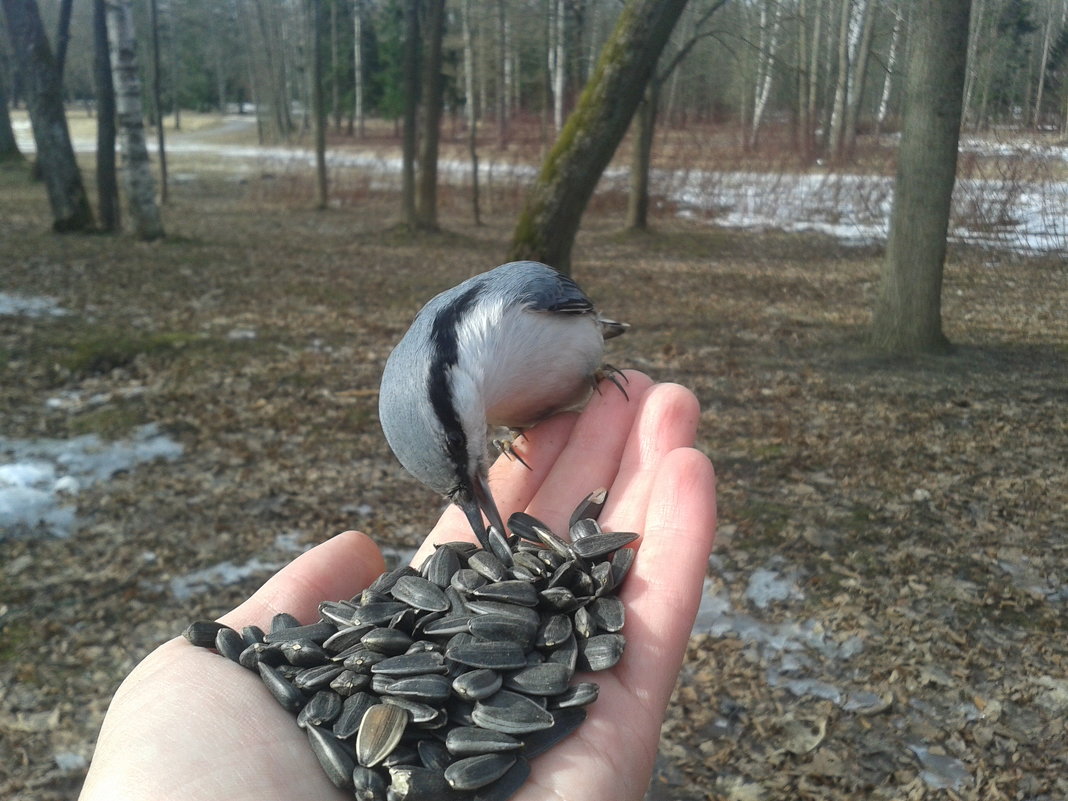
[{"x": 886, "y": 611}]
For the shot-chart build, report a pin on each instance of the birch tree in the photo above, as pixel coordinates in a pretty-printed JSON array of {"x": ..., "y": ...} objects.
[
  {"x": 44, "y": 96},
  {"x": 107, "y": 186},
  {"x": 908, "y": 311},
  {"x": 136, "y": 172},
  {"x": 768, "y": 32},
  {"x": 550, "y": 218}
]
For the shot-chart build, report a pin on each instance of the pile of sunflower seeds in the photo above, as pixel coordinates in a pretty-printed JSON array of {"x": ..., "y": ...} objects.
[{"x": 442, "y": 683}]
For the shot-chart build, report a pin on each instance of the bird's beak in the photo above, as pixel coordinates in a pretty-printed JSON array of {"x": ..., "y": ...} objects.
[{"x": 481, "y": 500}]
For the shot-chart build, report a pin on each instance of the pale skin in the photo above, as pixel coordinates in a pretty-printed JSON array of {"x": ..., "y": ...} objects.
[{"x": 187, "y": 724}]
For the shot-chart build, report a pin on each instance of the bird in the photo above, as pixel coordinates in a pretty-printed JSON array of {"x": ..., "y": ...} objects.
[{"x": 505, "y": 348}]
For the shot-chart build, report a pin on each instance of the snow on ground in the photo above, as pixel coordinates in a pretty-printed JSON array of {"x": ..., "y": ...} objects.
[
  {"x": 1021, "y": 214},
  {"x": 12, "y": 305},
  {"x": 40, "y": 477}
]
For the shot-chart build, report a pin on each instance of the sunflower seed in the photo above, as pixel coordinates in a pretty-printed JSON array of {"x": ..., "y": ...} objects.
[
  {"x": 314, "y": 632},
  {"x": 375, "y": 614},
  {"x": 360, "y": 658},
  {"x": 601, "y": 576},
  {"x": 601, "y": 652},
  {"x": 324, "y": 707},
  {"x": 202, "y": 633},
  {"x": 497, "y": 655},
  {"x": 431, "y": 689},
  {"x": 380, "y": 731},
  {"x": 252, "y": 635},
  {"x": 349, "y": 682},
  {"x": 607, "y": 613},
  {"x": 585, "y": 692},
  {"x": 285, "y": 693},
  {"x": 303, "y": 653},
  {"x": 486, "y": 564},
  {"x": 477, "y": 684},
  {"x": 503, "y": 627},
  {"x": 465, "y": 580},
  {"x": 333, "y": 756},
  {"x": 471, "y": 740},
  {"x": 368, "y": 785},
  {"x": 590, "y": 507},
  {"x": 603, "y": 544},
  {"x": 411, "y": 664},
  {"x": 447, "y": 626},
  {"x": 440, "y": 566},
  {"x": 345, "y": 638},
  {"x": 387, "y": 641},
  {"x": 481, "y": 607},
  {"x": 583, "y": 622},
  {"x": 411, "y": 783},
  {"x": 260, "y": 652},
  {"x": 557, "y": 545},
  {"x": 420, "y": 593},
  {"x": 229, "y": 643},
  {"x": 418, "y": 712},
  {"x": 283, "y": 620},
  {"x": 527, "y": 526},
  {"x": 403, "y": 754},
  {"x": 566, "y": 653},
  {"x": 353, "y": 709},
  {"x": 532, "y": 564},
  {"x": 586, "y": 527},
  {"x": 384, "y": 583},
  {"x": 337, "y": 612},
  {"x": 560, "y": 599},
  {"x": 499, "y": 546},
  {"x": 478, "y": 771},
  {"x": 621, "y": 562},
  {"x": 511, "y": 713},
  {"x": 549, "y": 678},
  {"x": 433, "y": 754},
  {"x": 318, "y": 677},
  {"x": 511, "y": 591},
  {"x": 553, "y": 631}
]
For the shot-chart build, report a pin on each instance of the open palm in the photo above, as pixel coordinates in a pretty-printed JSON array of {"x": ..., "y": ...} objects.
[{"x": 186, "y": 724}]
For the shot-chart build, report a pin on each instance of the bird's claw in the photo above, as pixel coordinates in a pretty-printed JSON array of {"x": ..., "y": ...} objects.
[
  {"x": 506, "y": 446},
  {"x": 613, "y": 374}
]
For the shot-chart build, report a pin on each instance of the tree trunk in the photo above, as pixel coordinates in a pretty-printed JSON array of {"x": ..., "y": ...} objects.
[
  {"x": 136, "y": 170},
  {"x": 9, "y": 146},
  {"x": 548, "y": 224},
  {"x": 841, "y": 87},
  {"x": 107, "y": 186},
  {"x": 318, "y": 102},
  {"x": 357, "y": 57},
  {"x": 908, "y": 316},
  {"x": 157, "y": 102},
  {"x": 411, "y": 107},
  {"x": 891, "y": 66},
  {"x": 641, "y": 159},
  {"x": 502, "y": 94},
  {"x": 1047, "y": 36},
  {"x": 857, "y": 76},
  {"x": 44, "y": 96},
  {"x": 63, "y": 35},
  {"x": 433, "y": 88},
  {"x": 769, "y": 39},
  {"x": 469, "y": 105}
]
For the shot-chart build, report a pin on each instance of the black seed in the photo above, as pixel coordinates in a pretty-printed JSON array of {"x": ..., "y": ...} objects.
[
  {"x": 553, "y": 631},
  {"x": 486, "y": 564},
  {"x": 412, "y": 783},
  {"x": 345, "y": 638},
  {"x": 317, "y": 633},
  {"x": 447, "y": 626},
  {"x": 506, "y": 786},
  {"x": 303, "y": 653},
  {"x": 387, "y": 641},
  {"x": 229, "y": 643},
  {"x": 348, "y": 682},
  {"x": 566, "y": 653},
  {"x": 352, "y": 711},
  {"x": 512, "y": 591},
  {"x": 499, "y": 546},
  {"x": 601, "y": 652},
  {"x": 283, "y": 620},
  {"x": 585, "y": 692},
  {"x": 283, "y": 691},
  {"x": 497, "y": 655},
  {"x": 338, "y": 613},
  {"x": 471, "y": 740},
  {"x": 201, "y": 633},
  {"x": 583, "y": 622},
  {"x": 376, "y": 614},
  {"x": 589, "y": 507},
  {"x": 527, "y": 526},
  {"x": 560, "y": 599},
  {"x": 607, "y": 613},
  {"x": 260, "y": 652},
  {"x": 466, "y": 580},
  {"x": 318, "y": 677},
  {"x": 440, "y": 566},
  {"x": 621, "y": 562},
  {"x": 360, "y": 658},
  {"x": 433, "y": 754},
  {"x": 602, "y": 544},
  {"x": 420, "y": 593},
  {"x": 368, "y": 785},
  {"x": 411, "y": 664},
  {"x": 549, "y": 678},
  {"x": 584, "y": 528},
  {"x": 324, "y": 707},
  {"x": 384, "y": 583},
  {"x": 478, "y": 771},
  {"x": 503, "y": 627},
  {"x": 511, "y": 713},
  {"x": 419, "y": 713},
  {"x": 481, "y": 607},
  {"x": 429, "y": 689},
  {"x": 333, "y": 756},
  {"x": 477, "y": 684},
  {"x": 252, "y": 635}
]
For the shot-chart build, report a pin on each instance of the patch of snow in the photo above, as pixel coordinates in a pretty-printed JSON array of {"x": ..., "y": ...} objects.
[
  {"x": 218, "y": 575},
  {"x": 37, "y": 475},
  {"x": 12, "y": 305},
  {"x": 70, "y": 761},
  {"x": 770, "y": 586}
]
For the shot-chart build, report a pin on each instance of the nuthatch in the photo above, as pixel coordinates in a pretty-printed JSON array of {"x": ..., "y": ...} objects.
[{"x": 509, "y": 347}]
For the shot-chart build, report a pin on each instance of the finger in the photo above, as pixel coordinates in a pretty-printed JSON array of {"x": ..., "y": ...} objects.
[
  {"x": 663, "y": 589},
  {"x": 591, "y": 458},
  {"x": 667, "y": 419},
  {"x": 338, "y": 568}
]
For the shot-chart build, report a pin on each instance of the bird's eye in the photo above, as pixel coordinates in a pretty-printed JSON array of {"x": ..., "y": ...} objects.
[{"x": 455, "y": 440}]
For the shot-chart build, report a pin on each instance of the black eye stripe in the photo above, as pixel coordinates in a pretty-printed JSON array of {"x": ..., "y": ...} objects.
[{"x": 447, "y": 354}]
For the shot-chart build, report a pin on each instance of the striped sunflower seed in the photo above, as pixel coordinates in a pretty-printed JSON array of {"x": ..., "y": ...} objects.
[{"x": 380, "y": 731}]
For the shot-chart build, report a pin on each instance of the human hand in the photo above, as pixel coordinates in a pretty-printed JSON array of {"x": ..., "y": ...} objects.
[{"x": 186, "y": 724}]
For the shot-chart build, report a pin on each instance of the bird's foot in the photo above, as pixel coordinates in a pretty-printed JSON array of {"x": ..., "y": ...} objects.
[
  {"x": 506, "y": 445},
  {"x": 613, "y": 374}
]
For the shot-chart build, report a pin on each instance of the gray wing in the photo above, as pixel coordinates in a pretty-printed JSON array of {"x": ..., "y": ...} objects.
[{"x": 544, "y": 289}]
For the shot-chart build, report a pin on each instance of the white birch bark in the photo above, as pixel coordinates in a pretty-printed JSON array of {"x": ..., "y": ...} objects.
[
  {"x": 769, "y": 39},
  {"x": 558, "y": 62},
  {"x": 1047, "y": 35},
  {"x": 891, "y": 65},
  {"x": 136, "y": 172},
  {"x": 357, "y": 63}
]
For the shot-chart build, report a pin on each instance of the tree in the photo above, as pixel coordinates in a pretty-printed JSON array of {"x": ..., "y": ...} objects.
[
  {"x": 136, "y": 171},
  {"x": 44, "y": 96},
  {"x": 409, "y": 215},
  {"x": 9, "y": 147},
  {"x": 318, "y": 102},
  {"x": 433, "y": 86},
  {"x": 157, "y": 103},
  {"x": 107, "y": 187},
  {"x": 550, "y": 219},
  {"x": 908, "y": 311}
]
